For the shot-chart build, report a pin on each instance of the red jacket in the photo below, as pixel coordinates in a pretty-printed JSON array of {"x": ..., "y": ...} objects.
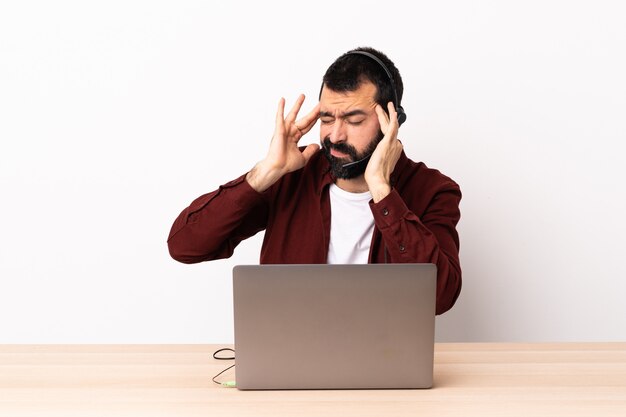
[{"x": 415, "y": 223}]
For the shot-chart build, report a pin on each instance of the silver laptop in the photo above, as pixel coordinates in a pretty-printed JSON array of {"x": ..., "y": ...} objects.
[{"x": 334, "y": 326}]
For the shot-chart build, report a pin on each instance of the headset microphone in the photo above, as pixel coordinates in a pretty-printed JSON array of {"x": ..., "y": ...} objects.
[{"x": 364, "y": 160}]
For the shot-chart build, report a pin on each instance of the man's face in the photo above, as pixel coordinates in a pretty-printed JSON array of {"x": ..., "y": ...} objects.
[{"x": 349, "y": 129}]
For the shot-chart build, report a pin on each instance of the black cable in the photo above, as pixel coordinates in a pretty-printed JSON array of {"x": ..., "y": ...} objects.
[{"x": 223, "y": 358}]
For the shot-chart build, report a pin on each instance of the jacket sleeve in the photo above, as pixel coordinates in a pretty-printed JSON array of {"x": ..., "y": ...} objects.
[
  {"x": 215, "y": 223},
  {"x": 431, "y": 238}
]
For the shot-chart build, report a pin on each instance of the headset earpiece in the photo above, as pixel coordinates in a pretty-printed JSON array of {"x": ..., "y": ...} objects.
[{"x": 401, "y": 115}]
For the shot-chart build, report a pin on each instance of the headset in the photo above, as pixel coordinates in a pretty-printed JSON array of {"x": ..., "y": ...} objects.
[{"x": 396, "y": 104}]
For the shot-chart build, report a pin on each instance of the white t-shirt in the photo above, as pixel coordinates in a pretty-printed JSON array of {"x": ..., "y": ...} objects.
[{"x": 351, "y": 227}]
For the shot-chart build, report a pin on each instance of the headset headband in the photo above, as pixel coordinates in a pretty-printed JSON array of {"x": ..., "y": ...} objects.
[
  {"x": 396, "y": 103},
  {"x": 384, "y": 67}
]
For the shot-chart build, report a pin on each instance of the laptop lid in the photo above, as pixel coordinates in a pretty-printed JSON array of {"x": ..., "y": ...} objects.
[{"x": 334, "y": 326}]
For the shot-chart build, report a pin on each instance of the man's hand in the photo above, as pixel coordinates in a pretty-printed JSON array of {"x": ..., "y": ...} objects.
[
  {"x": 284, "y": 156},
  {"x": 386, "y": 155}
]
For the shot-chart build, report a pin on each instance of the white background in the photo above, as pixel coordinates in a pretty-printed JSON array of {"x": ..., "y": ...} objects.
[{"x": 115, "y": 115}]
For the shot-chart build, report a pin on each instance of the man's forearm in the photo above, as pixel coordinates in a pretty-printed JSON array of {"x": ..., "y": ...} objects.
[
  {"x": 215, "y": 223},
  {"x": 430, "y": 239}
]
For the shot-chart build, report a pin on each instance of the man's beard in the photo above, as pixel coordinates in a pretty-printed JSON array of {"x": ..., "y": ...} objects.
[{"x": 353, "y": 170}]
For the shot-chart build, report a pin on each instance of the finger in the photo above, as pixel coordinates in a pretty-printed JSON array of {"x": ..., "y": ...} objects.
[
  {"x": 307, "y": 122},
  {"x": 280, "y": 126},
  {"x": 280, "y": 112},
  {"x": 393, "y": 114},
  {"x": 392, "y": 127},
  {"x": 383, "y": 119},
  {"x": 294, "y": 110}
]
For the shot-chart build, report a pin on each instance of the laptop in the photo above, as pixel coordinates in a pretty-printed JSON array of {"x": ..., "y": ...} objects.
[{"x": 334, "y": 326}]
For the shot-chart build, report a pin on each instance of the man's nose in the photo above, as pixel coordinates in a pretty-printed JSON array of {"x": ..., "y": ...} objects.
[{"x": 338, "y": 132}]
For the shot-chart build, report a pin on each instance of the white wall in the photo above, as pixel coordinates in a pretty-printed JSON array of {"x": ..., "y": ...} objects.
[{"x": 115, "y": 115}]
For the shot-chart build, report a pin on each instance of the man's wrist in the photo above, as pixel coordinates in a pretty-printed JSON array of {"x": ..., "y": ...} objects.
[
  {"x": 380, "y": 191},
  {"x": 261, "y": 178}
]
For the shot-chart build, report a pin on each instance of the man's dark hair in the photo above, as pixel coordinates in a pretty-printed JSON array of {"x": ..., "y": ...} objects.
[{"x": 349, "y": 71}]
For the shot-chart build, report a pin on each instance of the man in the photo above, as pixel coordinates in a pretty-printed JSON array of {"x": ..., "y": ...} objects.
[{"x": 358, "y": 199}]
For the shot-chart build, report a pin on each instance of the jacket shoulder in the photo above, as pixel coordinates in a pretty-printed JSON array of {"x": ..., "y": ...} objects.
[{"x": 418, "y": 173}]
